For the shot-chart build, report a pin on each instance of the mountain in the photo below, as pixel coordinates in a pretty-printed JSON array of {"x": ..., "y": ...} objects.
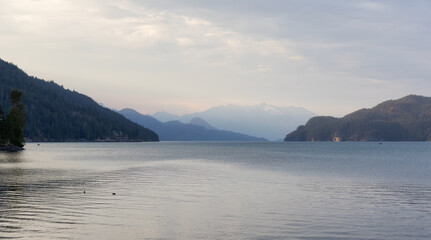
[
  {"x": 165, "y": 116},
  {"x": 262, "y": 120},
  {"x": 178, "y": 131},
  {"x": 57, "y": 114},
  {"x": 405, "y": 119},
  {"x": 200, "y": 122}
]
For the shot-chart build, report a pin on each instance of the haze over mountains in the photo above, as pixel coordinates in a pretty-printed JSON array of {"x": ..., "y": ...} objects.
[
  {"x": 54, "y": 113},
  {"x": 58, "y": 114},
  {"x": 197, "y": 130},
  {"x": 262, "y": 120}
]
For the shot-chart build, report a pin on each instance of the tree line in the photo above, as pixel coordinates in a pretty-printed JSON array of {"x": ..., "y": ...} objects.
[{"x": 12, "y": 124}]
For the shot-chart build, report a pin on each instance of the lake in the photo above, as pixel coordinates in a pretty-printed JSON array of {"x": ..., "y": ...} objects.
[{"x": 216, "y": 190}]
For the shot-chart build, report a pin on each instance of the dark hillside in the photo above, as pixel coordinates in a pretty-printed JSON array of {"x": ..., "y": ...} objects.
[
  {"x": 57, "y": 114},
  {"x": 405, "y": 119}
]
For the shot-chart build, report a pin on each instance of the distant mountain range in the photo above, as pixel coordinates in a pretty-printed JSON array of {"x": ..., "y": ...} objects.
[
  {"x": 262, "y": 120},
  {"x": 405, "y": 119},
  {"x": 197, "y": 130},
  {"x": 200, "y": 122},
  {"x": 57, "y": 114}
]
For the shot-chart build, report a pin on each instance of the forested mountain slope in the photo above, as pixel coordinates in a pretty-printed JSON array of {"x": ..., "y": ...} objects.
[
  {"x": 405, "y": 119},
  {"x": 57, "y": 114}
]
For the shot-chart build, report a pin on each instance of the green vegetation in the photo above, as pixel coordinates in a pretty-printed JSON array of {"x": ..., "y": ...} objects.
[
  {"x": 405, "y": 119},
  {"x": 57, "y": 114},
  {"x": 12, "y": 125}
]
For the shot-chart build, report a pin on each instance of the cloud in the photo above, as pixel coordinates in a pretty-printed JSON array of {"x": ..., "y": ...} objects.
[{"x": 277, "y": 51}]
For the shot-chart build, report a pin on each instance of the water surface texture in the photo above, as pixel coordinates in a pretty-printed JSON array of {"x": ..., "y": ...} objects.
[{"x": 178, "y": 190}]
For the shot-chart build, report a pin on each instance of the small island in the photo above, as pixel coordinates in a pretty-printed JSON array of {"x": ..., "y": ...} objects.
[{"x": 12, "y": 124}]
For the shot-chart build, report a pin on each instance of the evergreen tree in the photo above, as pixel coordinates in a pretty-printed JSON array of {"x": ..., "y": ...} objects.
[
  {"x": 3, "y": 128},
  {"x": 15, "y": 120}
]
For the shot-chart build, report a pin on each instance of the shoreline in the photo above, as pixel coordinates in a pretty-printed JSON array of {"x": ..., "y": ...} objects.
[{"x": 11, "y": 148}]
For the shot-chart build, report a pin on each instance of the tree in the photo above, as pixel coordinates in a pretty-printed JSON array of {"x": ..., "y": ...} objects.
[
  {"x": 15, "y": 120},
  {"x": 3, "y": 128}
]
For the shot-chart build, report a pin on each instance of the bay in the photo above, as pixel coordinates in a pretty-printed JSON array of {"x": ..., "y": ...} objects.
[{"x": 216, "y": 190}]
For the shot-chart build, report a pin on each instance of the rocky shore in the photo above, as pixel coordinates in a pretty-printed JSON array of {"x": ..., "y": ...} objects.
[{"x": 10, "y": 148}]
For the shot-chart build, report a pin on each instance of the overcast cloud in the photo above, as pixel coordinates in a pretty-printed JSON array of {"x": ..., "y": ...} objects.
[{"x": 331, "y": 57}]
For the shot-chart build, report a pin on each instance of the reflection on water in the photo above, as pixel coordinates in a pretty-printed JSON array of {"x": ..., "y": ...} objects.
[
  {"x": 214, "y": 191},
  {"x": 11, "y": 157}
]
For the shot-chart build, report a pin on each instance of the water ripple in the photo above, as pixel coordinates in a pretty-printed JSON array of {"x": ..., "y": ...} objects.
[{"x": 200, "y": 197}]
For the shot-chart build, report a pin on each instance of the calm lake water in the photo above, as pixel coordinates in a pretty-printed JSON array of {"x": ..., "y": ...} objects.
[{"x": 179, "y": 190}]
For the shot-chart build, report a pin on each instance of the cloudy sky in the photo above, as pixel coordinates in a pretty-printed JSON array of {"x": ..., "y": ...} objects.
[{"x": 329, "y": 56}]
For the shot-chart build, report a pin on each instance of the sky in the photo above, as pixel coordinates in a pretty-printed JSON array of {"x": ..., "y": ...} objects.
[{"x": 180, "y": 56}]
